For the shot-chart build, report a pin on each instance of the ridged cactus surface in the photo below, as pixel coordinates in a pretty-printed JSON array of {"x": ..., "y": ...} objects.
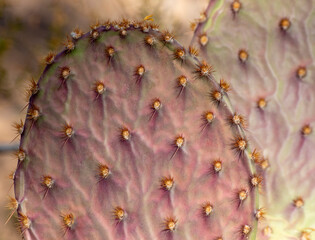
[{"x": 129, "y": 136}]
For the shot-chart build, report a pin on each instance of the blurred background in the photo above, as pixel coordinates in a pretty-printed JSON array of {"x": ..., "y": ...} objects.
[{"x": 29, "y": 29}]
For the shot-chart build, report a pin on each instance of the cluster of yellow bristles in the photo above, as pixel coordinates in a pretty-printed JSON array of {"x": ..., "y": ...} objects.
[{"x": 122, "y": 26}]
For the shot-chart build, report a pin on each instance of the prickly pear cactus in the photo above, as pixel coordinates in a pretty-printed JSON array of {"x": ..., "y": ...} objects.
[
  {"x": 266, "y": 50},
  {"x": 129, "y": 136}
]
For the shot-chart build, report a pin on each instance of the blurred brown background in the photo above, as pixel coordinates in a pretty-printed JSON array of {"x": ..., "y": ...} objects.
[{"x": 29, "y": 29}]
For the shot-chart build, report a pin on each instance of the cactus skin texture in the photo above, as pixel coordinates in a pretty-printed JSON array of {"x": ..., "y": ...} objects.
[
  {"x": 129, "y": 136},
  {"x": 266, "y": 50},
  {"x": 119, "y": 145}
]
